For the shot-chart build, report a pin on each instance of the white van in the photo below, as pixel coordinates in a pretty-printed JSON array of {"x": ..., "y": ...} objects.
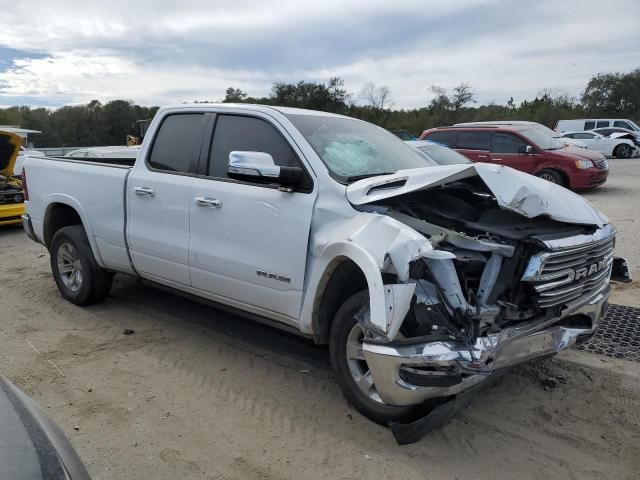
[{"x": 581, "y": 124}]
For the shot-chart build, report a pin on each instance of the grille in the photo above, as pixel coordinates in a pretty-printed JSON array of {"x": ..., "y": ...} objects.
[
  {"x": 565, "y": 277},
  {"x": 11, "y": 196},
  {"x": 601, "y": 164}
]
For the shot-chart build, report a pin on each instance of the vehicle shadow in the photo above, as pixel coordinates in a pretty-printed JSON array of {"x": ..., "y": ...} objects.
[{"x": 189, "y": 314}]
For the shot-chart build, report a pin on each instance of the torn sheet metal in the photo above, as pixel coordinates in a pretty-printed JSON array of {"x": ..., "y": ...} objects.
[
  {"x": 397, "y": 300},
  {"x": 515, "y": 191}
]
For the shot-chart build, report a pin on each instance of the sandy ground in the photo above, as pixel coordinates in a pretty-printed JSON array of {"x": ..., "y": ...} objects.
[{"x": 197, "y": 393}]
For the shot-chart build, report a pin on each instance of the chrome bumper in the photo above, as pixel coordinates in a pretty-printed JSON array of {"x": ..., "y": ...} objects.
[{"x": 411, "y": 374}]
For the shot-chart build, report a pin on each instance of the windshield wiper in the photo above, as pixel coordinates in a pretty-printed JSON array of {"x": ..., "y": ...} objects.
[{"x": 355, "y": 178}]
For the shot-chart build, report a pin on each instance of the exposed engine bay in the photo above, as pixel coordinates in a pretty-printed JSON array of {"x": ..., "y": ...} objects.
[
  {"x": 478, "y": 291},
  {"x": 10, "y": 186},
  {"x": 10, "y": 190}
]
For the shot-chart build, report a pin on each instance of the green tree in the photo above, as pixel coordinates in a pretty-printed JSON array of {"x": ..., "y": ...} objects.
[
  {"x": 234, "y": 95},
  {"x": 613, "y": 94}
]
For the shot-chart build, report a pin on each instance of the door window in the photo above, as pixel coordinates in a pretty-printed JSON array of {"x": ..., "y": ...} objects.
[
  {"x": 602, "y": 124},
  {"x": 621, "y": 124},
  {"x": 177, "y": 144},
  {"x": 506, "y": 143},
  {"x": 474, "y": 140},
  {"x": 590, "y": 125},
  {"x": 584, "y": 136},
  {"x": 248, "y": 134}
]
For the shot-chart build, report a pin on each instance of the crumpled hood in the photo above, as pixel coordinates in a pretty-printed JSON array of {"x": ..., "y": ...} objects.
[
  {"x": 9, "y": 149},
  {"x": 514, "y": 190}
]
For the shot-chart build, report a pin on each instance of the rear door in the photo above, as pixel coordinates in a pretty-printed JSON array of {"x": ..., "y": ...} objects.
[
  {"x": 510, "y": 150},
  {"x": 159, "y": 198},
  {"x": 248, "y": 244},
  {"x": 474, "y": 144}
]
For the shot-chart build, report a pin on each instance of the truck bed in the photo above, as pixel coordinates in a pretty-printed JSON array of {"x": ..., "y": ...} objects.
[{"x": 95, "y": 189}]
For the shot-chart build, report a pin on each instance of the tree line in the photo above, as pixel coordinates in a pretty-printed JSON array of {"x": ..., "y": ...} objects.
[{"x": 605, "y": 95}]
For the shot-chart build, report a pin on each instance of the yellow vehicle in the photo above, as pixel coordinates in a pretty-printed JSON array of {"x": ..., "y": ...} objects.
[{"x": 11, "y": 194}]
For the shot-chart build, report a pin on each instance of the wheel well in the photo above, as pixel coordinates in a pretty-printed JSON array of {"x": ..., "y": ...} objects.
[
  {"x": 342, "y": 279},
  {"x": 58, "y": 215},
  {"x": 618, "y": 147},
  {"x": 565, "y": 178}
]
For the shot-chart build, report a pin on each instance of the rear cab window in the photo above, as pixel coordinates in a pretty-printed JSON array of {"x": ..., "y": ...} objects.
[
  {"x": 177, "y": 144},
  {"x": 473, "y": 140}
]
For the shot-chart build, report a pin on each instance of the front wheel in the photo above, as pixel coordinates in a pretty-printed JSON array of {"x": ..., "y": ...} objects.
[
  {"x": 623, "y": 151},
  {"x": 551, "y": 176},
  {"x": 75, "y": 271},
  {"x": 350, "y": 366}
]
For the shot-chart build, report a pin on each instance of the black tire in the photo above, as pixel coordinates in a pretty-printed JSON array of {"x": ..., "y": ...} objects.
[
  {"x": 623, "y": 151},
  {"x": 342, "y": 325},
  {"x": 552, "y": 176},
  {"x": 94, "y": 283}
]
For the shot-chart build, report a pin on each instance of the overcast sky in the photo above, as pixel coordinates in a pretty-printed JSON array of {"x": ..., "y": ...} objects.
[{"x": 155, "y": 52}]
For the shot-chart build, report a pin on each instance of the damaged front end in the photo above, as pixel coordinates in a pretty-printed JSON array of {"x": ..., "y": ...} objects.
[{"x": 498, "y": 282}]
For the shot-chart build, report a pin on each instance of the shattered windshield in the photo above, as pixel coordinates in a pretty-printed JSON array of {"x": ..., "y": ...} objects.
[{"x": 352, "y": 149}]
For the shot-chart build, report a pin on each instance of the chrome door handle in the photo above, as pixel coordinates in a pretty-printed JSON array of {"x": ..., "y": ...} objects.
[
  {"x": 208, "y": 202},
  {"x": 498, "y": 159},
  {"x": 144, "y": 191},
  {"x": 483, "y": 156}
]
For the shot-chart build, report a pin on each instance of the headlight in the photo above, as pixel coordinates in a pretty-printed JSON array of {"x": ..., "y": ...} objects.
[{"x": 584, "y": 164}]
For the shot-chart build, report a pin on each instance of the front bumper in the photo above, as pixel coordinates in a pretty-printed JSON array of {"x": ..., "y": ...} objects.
[
  {"x": 412, "y": 374},
  {"x": 588, "y": 179}
]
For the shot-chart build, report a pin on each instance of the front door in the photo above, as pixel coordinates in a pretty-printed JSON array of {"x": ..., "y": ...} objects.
[
  {"x": 510, "y": 150},
  {"x": 159, "y": 199},
  {"x": 593, "y": 142},
  {"x": 248, "y": 243}
]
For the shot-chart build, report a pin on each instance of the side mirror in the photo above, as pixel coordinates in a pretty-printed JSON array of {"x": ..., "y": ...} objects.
[
  {"x": 259, "y": 167},
  {"x": 528, "y": 149}
]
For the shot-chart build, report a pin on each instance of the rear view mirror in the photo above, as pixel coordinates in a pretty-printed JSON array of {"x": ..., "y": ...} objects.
[{"x": 260, "y": 167}]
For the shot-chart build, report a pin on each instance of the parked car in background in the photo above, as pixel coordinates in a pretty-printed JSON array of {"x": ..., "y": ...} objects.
[
  {"x": 11, "y": 196},
  {"x": 423, "y": 279},
  {"x": 539, "y": 126},
  {"x": 616, "y": 132},
  {"x": 105, "y": 152},
  {"x": 609, "y": 147},
  {"x": 437, "y": 153},
  {"x": 22, "y": 153},
  {"x": 527, "y": 149},
  {"x": 591, "y": 123}
]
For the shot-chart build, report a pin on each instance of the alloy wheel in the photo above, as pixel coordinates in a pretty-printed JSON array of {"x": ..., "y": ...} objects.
[{"x": 69, "y": 267}]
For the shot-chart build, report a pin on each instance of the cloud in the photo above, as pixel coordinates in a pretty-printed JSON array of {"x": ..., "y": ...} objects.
[{"x": 155, "y": 52}]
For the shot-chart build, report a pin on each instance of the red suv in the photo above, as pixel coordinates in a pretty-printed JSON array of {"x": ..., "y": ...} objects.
[{"x": 527, "y": 149}]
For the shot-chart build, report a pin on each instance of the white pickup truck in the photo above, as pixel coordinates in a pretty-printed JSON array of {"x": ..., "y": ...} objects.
[{"x": 423, "y": 279}]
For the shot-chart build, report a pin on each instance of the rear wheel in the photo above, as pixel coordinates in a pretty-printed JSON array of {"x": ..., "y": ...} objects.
[
  {"x": 551, "y": 176},
  {"x": 75, "y": 271},
  {"x": 352, "y": 372},
  {"x": 623, "y": 151}
]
